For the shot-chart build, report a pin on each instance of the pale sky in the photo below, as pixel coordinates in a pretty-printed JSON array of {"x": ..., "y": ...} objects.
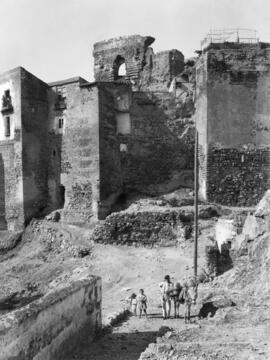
[{"x": 53, "y": 39}]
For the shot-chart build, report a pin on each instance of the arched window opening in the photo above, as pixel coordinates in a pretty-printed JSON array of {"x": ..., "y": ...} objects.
[
  {"x": 122, "y": 71},
  {"x": 119, "y": 68}
]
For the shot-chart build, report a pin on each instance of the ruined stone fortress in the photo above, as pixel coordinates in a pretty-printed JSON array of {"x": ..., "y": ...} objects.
[{"x": 84, "y": 146}]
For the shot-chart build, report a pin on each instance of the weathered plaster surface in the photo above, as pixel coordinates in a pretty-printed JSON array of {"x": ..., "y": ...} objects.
[{"x": 49, "y": 327}]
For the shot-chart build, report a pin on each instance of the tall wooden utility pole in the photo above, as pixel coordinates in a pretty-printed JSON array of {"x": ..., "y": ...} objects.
[{"x": 196, "y": 189}]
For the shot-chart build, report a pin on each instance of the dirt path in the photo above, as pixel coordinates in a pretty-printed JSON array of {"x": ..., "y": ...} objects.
[
  {"x": 241, "y": 338},
  {"x": 128, "y": 340},
  {"x": 235, "y": 333}
]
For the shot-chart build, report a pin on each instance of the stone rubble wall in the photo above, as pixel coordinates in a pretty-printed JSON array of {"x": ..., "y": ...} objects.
[
  {"x": 156, "y": 226},
  {"x": 146, "y": 228},
  {"x": 241, "y": 180}
]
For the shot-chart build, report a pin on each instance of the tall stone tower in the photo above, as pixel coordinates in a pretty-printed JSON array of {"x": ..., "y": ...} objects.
[{"x": 233, "y": 121}]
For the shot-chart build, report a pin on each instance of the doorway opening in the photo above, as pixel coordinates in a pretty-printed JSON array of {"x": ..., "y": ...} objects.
[{"x": 62, "y": 192}]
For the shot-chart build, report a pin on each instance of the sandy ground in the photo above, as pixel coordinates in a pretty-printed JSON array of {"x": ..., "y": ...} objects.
[
  {"x": 236, "y": 333},
  {"x": 125, "y": 270},
  {"x": 133, "y": 268}
]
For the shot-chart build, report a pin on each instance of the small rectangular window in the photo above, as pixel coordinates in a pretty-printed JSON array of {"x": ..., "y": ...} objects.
[
  {"x": 7, "y": 126},
  {"x": 61, "y": 91},
  {"x": 123, "y": 123},
  {"x": 64, "y": 92}
]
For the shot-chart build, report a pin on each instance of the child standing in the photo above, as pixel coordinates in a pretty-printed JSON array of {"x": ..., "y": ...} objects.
[
  {"x": 132, "y": 300},
  {"x": 142, "y": 303},
  {"x": 133, "y": 304}
]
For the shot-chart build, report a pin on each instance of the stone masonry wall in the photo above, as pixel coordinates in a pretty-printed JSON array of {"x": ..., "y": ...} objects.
[
  {"x": 242, "y": 179},
  {"x": 111, "y": 101},
  {"x": 156, "y": 155},
  {"x": 74, "y": 151},
  {"x": 233, "y": 117},
  {"x": 144, "y": 228},
  {"x": 11, "y": 178},
  {"x": 159, "y": 158},
  {"x": 34, "y": 104},
  {"x": 160, "y": 69},
  {"x": 50, "y": 327}
]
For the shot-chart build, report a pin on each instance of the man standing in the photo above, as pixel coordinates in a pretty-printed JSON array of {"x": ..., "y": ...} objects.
[{"x": 166, "y": 288}]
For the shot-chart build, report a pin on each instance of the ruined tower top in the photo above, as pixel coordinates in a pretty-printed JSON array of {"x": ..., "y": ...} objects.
[
  {"x": 110, "y": 54},
  {"x": 130, "y": 58}
]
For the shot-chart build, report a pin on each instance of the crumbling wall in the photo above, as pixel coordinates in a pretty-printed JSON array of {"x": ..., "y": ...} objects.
[
  {"x": 156, "y": 144},
  {"x": 160, "y": 69},
  {"x": 144, "y": 228},
  {"x": 145, "y": 70},
  {"x": 159, "y": 156},
  {"x": 110, "y": 54},
  {"x": 146, "y": 142},
  {"x": 233, "y": 106}
]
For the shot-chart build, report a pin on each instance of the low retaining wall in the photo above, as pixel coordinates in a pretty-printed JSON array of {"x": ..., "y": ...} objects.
[
  {"x": 154, "y": 226},
  {"x": 48, "y": 328},
  {"x": 145, "y": 228}
]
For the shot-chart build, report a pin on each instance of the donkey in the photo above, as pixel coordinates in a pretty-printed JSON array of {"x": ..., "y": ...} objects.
[
  {"x": 189, "y": 294},
  {"x": 176, "y": 298}
]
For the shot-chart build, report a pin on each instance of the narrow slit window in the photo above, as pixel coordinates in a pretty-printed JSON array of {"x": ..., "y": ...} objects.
[
  {"x": 60, "y": 123},
  {"x": 7, "y": 126}
]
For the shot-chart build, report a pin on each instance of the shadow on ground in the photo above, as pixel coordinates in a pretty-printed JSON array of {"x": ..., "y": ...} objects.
[{"x": 117, "y": 346}]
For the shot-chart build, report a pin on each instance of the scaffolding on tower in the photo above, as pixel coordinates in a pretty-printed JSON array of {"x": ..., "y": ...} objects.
[{"x": 238, "y": 35}]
